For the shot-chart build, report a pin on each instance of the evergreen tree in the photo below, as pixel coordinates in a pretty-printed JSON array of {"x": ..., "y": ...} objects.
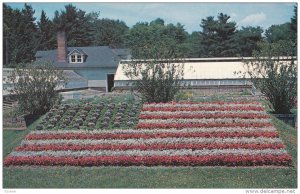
[
  {"x": 29, "y": 35},
  {"x": 294, "y": 24},
  {"x": 8, "y": 20},
  {"x": 209, "y": 36},
  {"x": 226, "y": 31},
  {"x": 294, "y": 30},
  {"x": 20, "y": 34},
  {"x": 76, "y": 24},
  {"x": 217, "y": 36},
  {"x": 47, "y": 37}
]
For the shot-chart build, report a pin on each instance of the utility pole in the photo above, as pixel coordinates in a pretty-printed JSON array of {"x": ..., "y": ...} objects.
[{"x": 6, "y": 50}]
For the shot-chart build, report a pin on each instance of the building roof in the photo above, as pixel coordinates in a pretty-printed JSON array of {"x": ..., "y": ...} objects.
[
  {"x": 77, "y": 50},
  {"x": 201, "y": 69},
  {"x": 97, "y": 56},
  {"x": 72, "y": 76}
]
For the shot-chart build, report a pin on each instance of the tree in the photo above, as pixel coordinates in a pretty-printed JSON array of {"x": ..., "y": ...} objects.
[
  {"x": 110, "y": 33},
  {"x": 76, "y": 24},
  {"x": 247, "y": 40},
  {"x": 275, "y": 75},
  {"x": 158, "y": 21},
  {"x": 194, "y": 47},
  {"x": 294, "y": 24},
  {"x": 279, "y": 32},
  {"x": 34, "y": 86},
  {"x": 143, "y": 37},
  {"x": 47, "y": 37},
  {"x": 217, "y": 36},
  {"x": 284, "y": 32},
  {"x": 209, "y": 36},
  {"x": 156, "y": 67},
  {"x": 294, "y": 29},
  {"x": 29, "y": 35},
  {"x": 20, "y": 34},
  {"x": 226, "y": 31},
  {"x": 8, "y": 19}
]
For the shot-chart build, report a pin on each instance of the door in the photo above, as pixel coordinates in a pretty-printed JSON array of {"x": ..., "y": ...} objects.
[{"x": 110, "y": 82}]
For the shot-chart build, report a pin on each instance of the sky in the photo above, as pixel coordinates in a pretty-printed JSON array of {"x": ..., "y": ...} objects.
[{"x": 188, "y": 14}]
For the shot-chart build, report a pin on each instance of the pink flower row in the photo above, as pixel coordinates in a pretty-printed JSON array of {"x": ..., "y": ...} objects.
[
  {"x": 160, "y": 146},
  {"x": 215, "y": 102},
  {"x": 200, "y": 116},
  {"x": 149, "y": 136},
  {"x": 206, "y": 125},
  {"x": 172, "y": 108},
  {"x": 207, "y": 160}
]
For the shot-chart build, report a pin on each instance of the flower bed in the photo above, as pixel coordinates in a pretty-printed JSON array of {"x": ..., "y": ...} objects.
[
  {"x": 89, "y": 116},
  {"x": 172, "y": 134}
]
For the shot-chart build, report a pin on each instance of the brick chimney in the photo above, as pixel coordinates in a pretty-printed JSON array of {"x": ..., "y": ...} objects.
[{"x": 61, "y": 46}]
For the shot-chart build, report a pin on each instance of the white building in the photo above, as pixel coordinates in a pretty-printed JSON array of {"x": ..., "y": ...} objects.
[{"x": 204, "y": 74}]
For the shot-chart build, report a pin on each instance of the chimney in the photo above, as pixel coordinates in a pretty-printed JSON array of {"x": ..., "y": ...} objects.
[{"x": 61, "y": 46}]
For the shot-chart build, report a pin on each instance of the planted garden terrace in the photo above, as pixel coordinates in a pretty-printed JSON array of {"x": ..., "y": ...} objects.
[
  {"x": 90, "y": 116},
  {"x": 167, "y": 134}
]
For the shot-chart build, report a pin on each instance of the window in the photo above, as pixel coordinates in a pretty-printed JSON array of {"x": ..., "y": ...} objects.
[
  {"x": 76, "y": 59},
  {"x": 79, "y": 59},
  {"x": 73, "y": 58}
]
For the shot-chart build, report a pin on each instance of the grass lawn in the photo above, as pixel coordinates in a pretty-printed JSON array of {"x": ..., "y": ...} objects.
[
  {"x": 11, "y": 139},
  {"x": 146, "y": 177},
  {"x": 151, "y": 177}
]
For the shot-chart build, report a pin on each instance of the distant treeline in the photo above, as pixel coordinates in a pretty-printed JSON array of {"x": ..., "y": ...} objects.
[{"x": 219, "y": 36}]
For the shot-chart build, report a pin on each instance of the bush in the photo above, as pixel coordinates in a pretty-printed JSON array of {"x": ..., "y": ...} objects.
[
  {"x": 34, "y": 86},
  {"x": 275, "y": 75},
  {"x": 155, "y": 80}
]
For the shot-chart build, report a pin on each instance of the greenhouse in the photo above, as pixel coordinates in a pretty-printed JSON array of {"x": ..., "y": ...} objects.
[{"x": 206, "y": 74}]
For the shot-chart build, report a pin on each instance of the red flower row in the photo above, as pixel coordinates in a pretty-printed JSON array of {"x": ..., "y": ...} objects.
[
  {"x": 201, "y": 116},
  {"x": 66, "y": 147},
  {"x": 149, "y": 136},
  {"x": 194, "y": 125},
  {"x": 222, "y": 160},
  {"x": 173, "y": 109},
  {"x": 215, "y": 102}
]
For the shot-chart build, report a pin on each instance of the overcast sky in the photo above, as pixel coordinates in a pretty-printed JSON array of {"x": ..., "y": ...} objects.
[{"x": 188, "y": 14}]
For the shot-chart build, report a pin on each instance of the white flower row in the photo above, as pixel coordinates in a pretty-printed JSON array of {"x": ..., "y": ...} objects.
[
  {"x": 180, "y": 152},
  {"x": 154, "y": 131},
  {"x": 201, "y": 105},
  {"x": 203, "y": 112},
  {"x": 242, "y": 140},
  {"x": 217, "y": 120}
]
